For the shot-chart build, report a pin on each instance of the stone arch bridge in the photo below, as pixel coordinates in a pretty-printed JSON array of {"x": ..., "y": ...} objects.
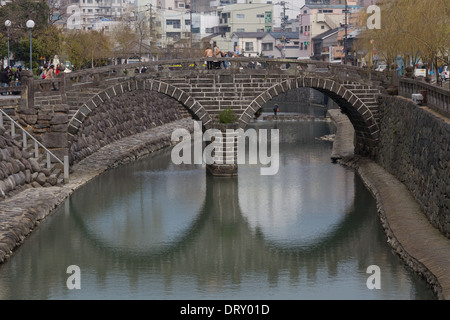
[{"x": 249, "y": 83}]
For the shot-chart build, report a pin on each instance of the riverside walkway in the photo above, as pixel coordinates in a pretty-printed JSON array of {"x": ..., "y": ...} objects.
[{"x": 421, "y": 246}]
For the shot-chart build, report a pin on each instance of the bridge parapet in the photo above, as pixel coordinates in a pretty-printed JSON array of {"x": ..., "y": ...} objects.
[
  {"x": 106, "y": 76},
  {"x": 437, "y": 98}
]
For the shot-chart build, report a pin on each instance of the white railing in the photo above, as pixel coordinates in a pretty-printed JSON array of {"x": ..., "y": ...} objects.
[{"x": 37, "y": 144}]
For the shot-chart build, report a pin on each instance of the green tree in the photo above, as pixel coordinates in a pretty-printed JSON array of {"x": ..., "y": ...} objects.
[
  {"x": 123, "y": 38},
  {"x": 19, "y": 12},
  {"x": 87, "y": 48},
  {"x": 412, "y": 29}
]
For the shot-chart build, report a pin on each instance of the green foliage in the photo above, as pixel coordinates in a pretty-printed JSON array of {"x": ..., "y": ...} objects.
[
  {"x": 86, "y": 49},
  {"x": 227, "y": 116}
]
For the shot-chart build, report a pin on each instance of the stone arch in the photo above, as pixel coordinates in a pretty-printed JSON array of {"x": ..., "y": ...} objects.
[
  {"x": 360, "y": 115},
  {"x": 113, "y": 94},
  {"x": 193, "y": 106}
]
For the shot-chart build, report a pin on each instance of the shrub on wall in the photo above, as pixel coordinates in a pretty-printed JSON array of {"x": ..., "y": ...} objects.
[{"x": 227, "y": 116}]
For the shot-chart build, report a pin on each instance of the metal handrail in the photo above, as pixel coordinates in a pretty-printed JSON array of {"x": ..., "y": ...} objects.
[{"x": 25, "y": 134}]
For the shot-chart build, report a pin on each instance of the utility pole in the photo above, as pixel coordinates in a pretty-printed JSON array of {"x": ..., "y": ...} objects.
[
  {"x": 190, "y": 23},
  {"x": 345, "y": 28},
  {"x": 283, "y": 26},
  {"x": 151, "y": 30}
]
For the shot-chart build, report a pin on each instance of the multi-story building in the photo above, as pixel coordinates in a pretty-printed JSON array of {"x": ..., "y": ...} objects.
[
  {"x": 92, "y": 14},
  {"x": 249, "y": 17},
  {"x": 280, "y": 45},
  {"x": 203, "y": 24},
  {"x": 316, "y": 19}
]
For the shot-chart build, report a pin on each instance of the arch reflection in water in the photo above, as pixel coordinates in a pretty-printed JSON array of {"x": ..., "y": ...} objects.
[{"x": 151, "y": 230}]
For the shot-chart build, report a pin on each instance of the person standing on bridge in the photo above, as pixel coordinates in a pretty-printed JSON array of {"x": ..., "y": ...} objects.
[
  {"x": 208, "y": 54},
  {"x": 4, "y": 78},
  {"x": 217, "y": 54},
  {"x": 18, "y": 76}
]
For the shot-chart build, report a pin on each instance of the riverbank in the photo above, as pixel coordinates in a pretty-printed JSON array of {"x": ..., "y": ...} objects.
[
  {"x": 421, "y": 246},
  {"x": 23, "y": 212},
  {"x": 408, "y": 231}
]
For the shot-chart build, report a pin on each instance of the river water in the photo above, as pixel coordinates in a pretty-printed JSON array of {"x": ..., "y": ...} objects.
[{"x": 155, "y": 230}]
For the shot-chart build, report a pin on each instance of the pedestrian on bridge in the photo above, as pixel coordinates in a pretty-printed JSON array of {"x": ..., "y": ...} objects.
[
  {"x": 208, "y": 54},
  {"x": 4, "y": 78},
  {"x": 217, "y": 54}
]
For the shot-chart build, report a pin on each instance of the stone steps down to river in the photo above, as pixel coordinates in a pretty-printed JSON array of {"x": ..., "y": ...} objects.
[{"x": 26, "y": 169}]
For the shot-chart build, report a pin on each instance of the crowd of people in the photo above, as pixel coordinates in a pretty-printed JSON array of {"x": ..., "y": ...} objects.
[
  {"x": 50, "y": 71},
  {"x": 10, "y": 77},
  {"x": 215, "y": 52}
]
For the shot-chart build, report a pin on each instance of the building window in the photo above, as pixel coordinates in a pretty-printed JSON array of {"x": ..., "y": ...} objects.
[
  {"x": 249, "y": 46},
  {"x": 176, "y": 24},
  {"x": 260, "y": 15},
  {"x": 240, "y": 16},
  {"x": 173, "y": 35},
  {"x": 322, "y": 27},
  {"x": 267, "y": 46},
  {"x": 240, "y": 30},
  {"x": 187, "y": 22},
  {"x": 209, "y": 30},
  {"x": 181, "y": 5}
]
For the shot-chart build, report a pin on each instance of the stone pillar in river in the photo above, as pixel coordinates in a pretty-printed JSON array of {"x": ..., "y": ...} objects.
[{"x": 224, "y": 151}]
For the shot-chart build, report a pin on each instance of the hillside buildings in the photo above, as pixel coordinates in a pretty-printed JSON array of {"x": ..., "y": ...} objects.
[{"x": 301, "y": 29}]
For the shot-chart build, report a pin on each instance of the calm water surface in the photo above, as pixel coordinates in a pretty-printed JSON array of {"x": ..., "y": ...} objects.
[{"x": 155, "y": 230}]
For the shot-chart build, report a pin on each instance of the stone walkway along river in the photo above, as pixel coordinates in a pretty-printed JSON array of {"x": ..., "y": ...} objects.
[{"x": 419, "y": 244}]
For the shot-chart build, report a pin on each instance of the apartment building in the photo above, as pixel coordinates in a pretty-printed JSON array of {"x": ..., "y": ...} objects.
[
  {"x": 93, "y": 14},
  {"x": 316, "y": 19},
  {"x": 245, "y": 17}
]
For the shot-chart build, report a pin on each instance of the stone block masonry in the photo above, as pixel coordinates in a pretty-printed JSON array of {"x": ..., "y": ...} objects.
[
  {"x": 415, "y": 148},
  {"x": 19, "y": 169},
  {"x": 420, "y": 245},
  {"x": 123, "y": 116}
]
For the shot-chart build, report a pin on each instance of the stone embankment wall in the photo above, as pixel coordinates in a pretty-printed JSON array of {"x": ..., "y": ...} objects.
[
  {"x": 125, "y": 115},
  {"x": 19, "y": 169},
  {"x": 415, "y": 148}
]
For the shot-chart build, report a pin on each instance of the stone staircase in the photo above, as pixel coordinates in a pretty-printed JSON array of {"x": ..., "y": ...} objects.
[
  {"x": 45, "y": 171},
  {"x": 222, "y": 95}
]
